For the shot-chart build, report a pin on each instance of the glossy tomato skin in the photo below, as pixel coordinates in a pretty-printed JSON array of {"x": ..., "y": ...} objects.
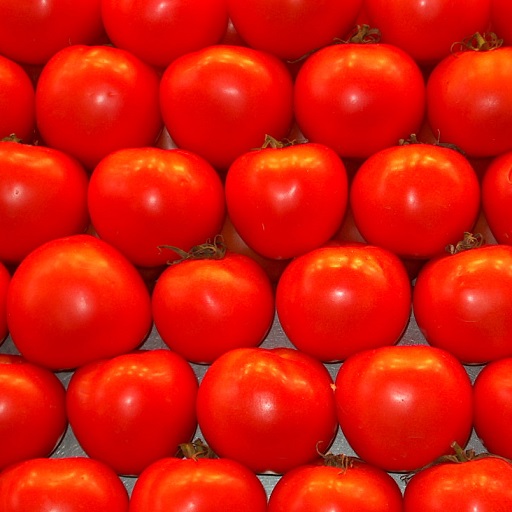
[
  {"x": 252, "y": 400},
  {"x": 158, "y": 32},
  {"x": 481, "y": 484},
  {"x": 43, "y": 196},
  {"x": 92, "y": 100},
  {"x": 335, "y": 301},
  {"x": 32, "y": 410},
  {"x": 358, "y": 488},
  {"x": 203, "y": 308},
  {"x": 133, "y": 409},
  {"x": 359, "y": 98},
  {"x": 392, "y": 416},
  {"x": 75, "y": 300},
  {"x": 141, "y": 199},
  {"x": 292, "y": 29},
  {"x": 395, "y": 206},
  {"x": 492, "y": 398},
  {"x": 69, "y": 484},
  {"x": 5, "y": 279},
  {"x": 221, "y": 101},
  {"x": 467, "y": 96},
  {"x": 440, "y": 23},
  {"x": 462, "y": 303},
  {"x": 286, "y": 201},
  {"x": 203, "y": 485}
]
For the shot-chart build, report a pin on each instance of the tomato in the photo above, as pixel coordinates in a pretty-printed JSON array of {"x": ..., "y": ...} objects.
[
  {"x": 468, "y": 100},
  {"x": 141, "y": 199},
  {"x": 92, "y": 100},
  {"x": 43, "y": 196},
  {"x": 202, "y": 485},
  {"x": 5, "y": 279},
  {"x": 69, "y": 484},
  {"x": 392, "y": 416},
  {"x": 359, "y": 98},
  {"x": 221, "y": 101},
  {"x": 31, "y": 31},
  {"x": 285, "y": 201},
  {"x": 500, "y": 16},
  {"x": 17, "y": 101},
  {"x": 335, "y": 301},
  {"x": 427, "y": 29},
  {"x": 462, "y": 303},
  {"x": 160, "y": 31},
  {"x": 292, "y": 29},
  {"x": 497, "y": 197},
  {"x": 492, "y": 398},
  {"x": 348, "y": 486},
  {"x": 74, "y": 300},
  {"x": 133, "y": 409},
  {"x": 32, "y": 410},
  {"x": 270, "y": 409},
  {"x": 415, "y": 199},
  {"x": 483, "y": 484},
  {"x": 204, "y": 307}
]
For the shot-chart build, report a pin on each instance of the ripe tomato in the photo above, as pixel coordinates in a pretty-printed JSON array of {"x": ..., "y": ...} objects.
[
  {"x": 396, "y": 207},
  {"x": 391, "y": 417},
  {"x": 285, "y": 201},
  {"x": 5, "y": 279},
  {"x": 133, "y": 409},
  {"x": 17, "y": 101},
  {"x": 204, "y": 307},
  {"x": 335, "y": 301},
  {"x": 32, "y": 410},
  {"x": 270, "y": 409},
  {"x": 159, "y": 31},
  {"x": 43, "y": 196},
  {"x": 69, "y": 484},
  {"x": 74, "y": 300},
  {"x": 92, "y": 100},
  {"x": 292, "y": 29},
  {"x": 141, "y": 199},
  {"x": 500, "y": 16},
  {"x": 348, "y": 486},
  {"x": 468, "y": 96},
  {"x": 221, "y": 101},
  {"x": 440, "y": 24},
  {"x": 462, "y": 303},
  {"x": 492, "y": 399},
  {"x": 359, "y": 98}
]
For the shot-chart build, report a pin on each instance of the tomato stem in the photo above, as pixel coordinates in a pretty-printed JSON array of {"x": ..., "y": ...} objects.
[
  {"x": 470, "y": 241},
  {"x": 197, "y": 449},
  {"x": 215, "y": 250},
  {"x": 478, "y": 43}
]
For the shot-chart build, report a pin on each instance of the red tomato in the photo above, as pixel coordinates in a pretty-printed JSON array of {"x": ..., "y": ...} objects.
[
  {"x": 17, "y": 101},
  {"x": 462, "y": 303},
  {"x": 43, "y": 196},
  {"x": 292, "y": 29},
  {"x": 483, "y": 485},
  {"x": 392, "y": 416},
  {"x": 204, "y": 307},
  {"x": 415, "y": 199},
  {"x": 359, "y": 98},
  {"x": 440, "y": 23},
  {"x": 92, "y": 100},
  {"x": 492, "y": 399},
  {"x": 270, "y": 409},
  {"x": 133, "y": 409},
  {"x": 468, "y": 96},
  {"x": 221, "y": 101},
  {"x": 31, "y": 31},
  {"x": 32, "y": 411},
  {"x": 75, "y": 300},
  {"x": 285, "y": 201},
  {"x": 351, "y": 487},
  {"x": 335, "y": 301},
  {"x": 159, "y": 31},
  {"x": 141, "y": 199},
  {"x": 501, "y": 11},
  {"x": 497, "y": 197},
  {"x": 5, "y": 279},
  {"x": 70, "y": 484}
]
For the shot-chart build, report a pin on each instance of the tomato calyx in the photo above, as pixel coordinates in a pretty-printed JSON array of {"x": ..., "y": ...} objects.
[
  {"x": 478, "y": 42},
  {"x": 12, "y": 138},
  {"x": 273, "y": 143},
  {"x": 413, "y": 139},
  {"x": 210, "y": 250},
  {"x": 340, "y": 460},
  {"x": 363, "y": 34},
  {"x": 470, "y": 241},
  {"x": 197, "y": 449}
]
